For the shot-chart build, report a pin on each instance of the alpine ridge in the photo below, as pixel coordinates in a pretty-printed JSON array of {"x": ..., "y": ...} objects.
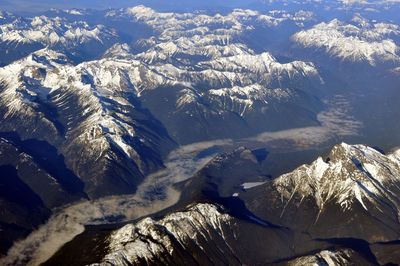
[
  {"x": 199, "y": 132},
  {"x": 347, "y": 207}
]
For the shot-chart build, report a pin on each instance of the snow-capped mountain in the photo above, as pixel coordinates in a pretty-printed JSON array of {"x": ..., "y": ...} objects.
[
  {"x": 53, "y": 31},
  {"x": 171, "y": 25},
  {"x": 343, "y": 207},
  {"x": 196, "y": 35},
  {"x": 353, "y": 175},
  {"x": 212, "y": 73},
  {"x": 47, "y": 103},
  {"x": 93, "y": 104},
  {"x": 361, "y": 41},
  {"x": 208, "y": 79},
  {"x": 356, "y": 187},
  {"x": 65, "y": 106},
  {"x": 131, "y": 244},
  {"x": 331, "y": 257},
  {"x": 108, "y": 93},
  {"x": 21, "y": 36}
]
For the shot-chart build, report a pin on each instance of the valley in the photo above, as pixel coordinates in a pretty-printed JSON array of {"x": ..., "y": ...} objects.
[{"x": 265, "y": 135}]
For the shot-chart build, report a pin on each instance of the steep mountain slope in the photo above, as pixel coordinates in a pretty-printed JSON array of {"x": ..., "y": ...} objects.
[
  {"x": 61, "y": 140},
  {"x": 53, "y": 31},
  {"x": 89, "y": 111},
  {"x": 235, "y": 21},
  {"x": 107, "y": 127},
  {"x": 201, "y": 234},
  {"x": 330, "y": 257},
  {"x": 85, "y": 140},
  {"x": 356, "y": 190},
  {"x": 208, "y": 75},
  {"x": 22, "y": 36},
  {"x": 346, "y": 208},
  {"x": 361, "y": 41},
  {"x": 192, "y": 68},
  {"x": 34, "y": 180},
  {"x": 108, "y": 122},
  {"x": 232, "y": 92},
  {"x": 236, "y": 97}
]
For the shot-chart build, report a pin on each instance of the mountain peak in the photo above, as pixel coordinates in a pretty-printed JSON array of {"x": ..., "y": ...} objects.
[
  {"x": 141, "y": 11},
  {"x": 148, "y": 239},
  {"x": 52, "y": 31},
  {"x": 367, "y": 42},
  {"x": 352, "y": 173},
  {"x": 118, "y": 51}
]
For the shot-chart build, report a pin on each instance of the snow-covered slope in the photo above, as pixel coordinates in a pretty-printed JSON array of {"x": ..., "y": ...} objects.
[
  {"x": 361, "y": 41},
  {"x": 172, "y": 25},
  {"x": 212, "y": 73},
  {"x": 354, "y": 193},
  {"x": 340, "y": 207},
  {"x": 68, "y": 107},
  {"x": 353, "y": 175},
  {"x": 204, "y": 85},
  {"x": 148, "y": 239},
  {"x": 107, "y": 104},
  {"x": 208, "y": 67},
  {"x": 53, "y": 31},
  {"x": 331, "y": 258},
  {"x": 106, "y": 94},
  {"x": 78, "y": 39},
  {"x": 263, "y": 68},
  {"x": 217, "y": 73},
  {"x": 206, "y": 35},
  {"x": 199, "y": 34},
  {"x": 202, "y": 234}
]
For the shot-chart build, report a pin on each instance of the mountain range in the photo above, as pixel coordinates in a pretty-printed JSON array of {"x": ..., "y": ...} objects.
[{"x": 211, "y": 122}]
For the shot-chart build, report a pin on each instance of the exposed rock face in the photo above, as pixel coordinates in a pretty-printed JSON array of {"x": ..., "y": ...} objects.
[
  {"x": 346, "y": 207},
  {"x": 157, "y": 241},
  {"x": 108, "y": 112},
  {"x": 117, "y": 140},
  {"x": 362, "y": 41},
  {"x": 207, "y": 74},
  {"x": 22, "y": 36},
  {"x": 92, "y": 101},
  {"x": 330, "y": 257},
  {"x": 353, "y": 195},
  {"x": 201, "y": 234}
]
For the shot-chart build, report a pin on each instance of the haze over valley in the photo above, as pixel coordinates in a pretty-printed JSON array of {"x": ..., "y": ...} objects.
[{"x": 199, "y": 132}]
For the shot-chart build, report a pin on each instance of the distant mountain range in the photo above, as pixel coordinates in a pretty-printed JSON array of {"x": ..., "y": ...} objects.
[{"x": 94, "y": 102}]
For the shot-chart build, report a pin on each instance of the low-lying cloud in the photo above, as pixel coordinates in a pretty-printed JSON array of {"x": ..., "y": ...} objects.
[
  {"x": 181, "y": 164},
  {"x": 67, "y": 223},
  {"x": 335, "y": 123}
]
